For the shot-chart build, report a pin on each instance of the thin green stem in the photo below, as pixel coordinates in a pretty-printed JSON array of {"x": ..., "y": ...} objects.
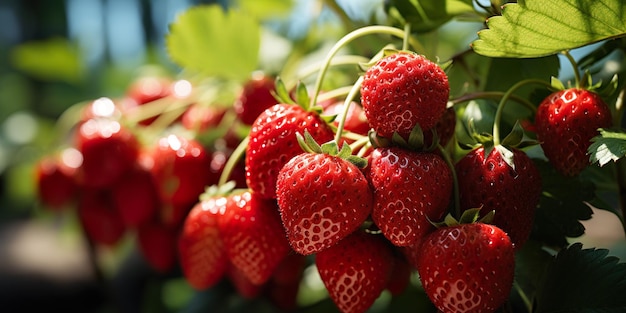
[
  {"x": 407, "y": 36},
  {"x": 335, "y": 93},
  {"x": 358, "y": 33},
  {"x": 496, "y": 95},
  {"x": 572, "y": 61},
  {"x": 336, "y": 61},
  {"x": 233, "y": 159},
  {"x": 346, "y": 107},
  {"x": 523, "y": 296},
  {"x": 507, "y": 95},
  {"x": 455, "y": 180}
]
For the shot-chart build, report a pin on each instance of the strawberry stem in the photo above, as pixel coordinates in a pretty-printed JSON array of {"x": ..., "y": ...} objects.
[
  {"x": 346, "y": 107},
  {"x": 407, "y": 34},
  {"x": 336, "y": 61},
  {"x": 574, "y": 64},
  {"x": 455, "y": 180},
  {"x": 496, "y": 95},
  {"x": 363, "y": 31},
  {"x": 232, "y": 160},
  {"x": 507, "y": 95}
]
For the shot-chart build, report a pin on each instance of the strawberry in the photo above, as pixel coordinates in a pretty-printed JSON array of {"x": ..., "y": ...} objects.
[
  {"x": 400, "y": 275},
  {"x": 273, "y": 143},
  {"x": 282, "y": 289},
  {"x": 181, "y": 170},
  {"x": 445, "y": 128},
  {"x": 143, "y": 90},
  {"x": 565, "y": 122},
  {"x": 401, "y": 90},
  {"x": 409, "y": 188},
  {"x": 108, "y": 150},
  {"x": 467, "y": 267},
  {"x": 56, "y": 187},
  {"x": 135, "y": 196},
  {"x": 356, "y": 270},
  {"x": 157, "y": 244},
  {"x": 253, "y": 235},
  {"x": 242, "y": 284},
  {"x": 100, "y": 220},
  {"x": 491, "y": 183},
  {"x": 356, "y": 121},
  {"x": 322, "y": 199},
  {"x": 202, "y": 254},
  {"x": 255, "y": 97},
  {"x": 202, "y": 117}
]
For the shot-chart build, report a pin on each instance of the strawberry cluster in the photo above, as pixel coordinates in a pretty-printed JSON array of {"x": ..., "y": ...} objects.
[{"x": 369, "y": 190}]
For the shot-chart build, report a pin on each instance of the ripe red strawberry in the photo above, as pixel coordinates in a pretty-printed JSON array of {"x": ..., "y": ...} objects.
[
  {"x": 242, "y": 283},
  {"x": 108, "y": 149},
  {"x": 356, "y": 121},
  {"x": 157, "y": 244},
  {"x": 322, "y": 199},
  {"x": 467, "y": 268},
  {"x": 136, "y": 197},
  {"x": 273, "y": 143},
  {"x": 400, "y": 275},
  {"x": 100, "y": 220},
  {"x": 409, "y": 188},
  {"x": 56, "y": 187},
  {"x": 202, "y": 254},
  {"x": 445, "y": 128},
  {"x": 282, "y": 289},
  {"x": 356, "y": 270},
  {"x": 253, "y": 235},
  {"x": 401, "y": 90},
  {"x": 181, "y": 170},
  {"x": 255, "y": 97},
  {"x": 144, "y": 90},
  {"x": 489, "y": 182},
  {"x": 202, "y": 117},
  {"x": 565, "y": 123}
]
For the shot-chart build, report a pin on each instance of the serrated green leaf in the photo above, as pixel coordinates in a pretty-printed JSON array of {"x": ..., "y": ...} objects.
[
  {"x": 266, "y": 9},
  {"x": 54, "y": 59},
  {"x": 534, "y": 28},
  {"x": 582, "y": 280},
  {"x": 214, "y": 42},
  {"x": 607, "y": 146},
  {"x": 561, "y": 207}
]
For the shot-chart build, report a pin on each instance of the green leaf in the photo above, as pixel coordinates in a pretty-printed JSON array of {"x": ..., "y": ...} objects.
[
  {"x": 53, "y": 59},
  {"x": 214, "y": 42},
  {"x": 535, "y": 28},
  {"x": 606, "y": 147},
  {"x": 561, "y": 207},
  {"x": 266, "y": 9},
  {"x": 427, "y": 15},
  {"x": 582, "y": 280}
]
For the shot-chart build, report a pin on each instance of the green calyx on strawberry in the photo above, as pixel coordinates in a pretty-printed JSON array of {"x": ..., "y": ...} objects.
[
  {"x": 466, "y": 266},
  {"x": 273, "y": 142},
  {"x": 568, "y": 119},
  {"x": 503, "y": 178},
  {"x": 323, "y": 197},
  {"x": 403, "y": 89}
]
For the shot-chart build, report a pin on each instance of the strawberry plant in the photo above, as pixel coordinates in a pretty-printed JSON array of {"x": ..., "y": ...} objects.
[{"x": 382, "y": 165}]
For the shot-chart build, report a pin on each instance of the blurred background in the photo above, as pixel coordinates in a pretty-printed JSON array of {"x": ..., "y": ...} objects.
[{"x": 54, "y": 54}]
